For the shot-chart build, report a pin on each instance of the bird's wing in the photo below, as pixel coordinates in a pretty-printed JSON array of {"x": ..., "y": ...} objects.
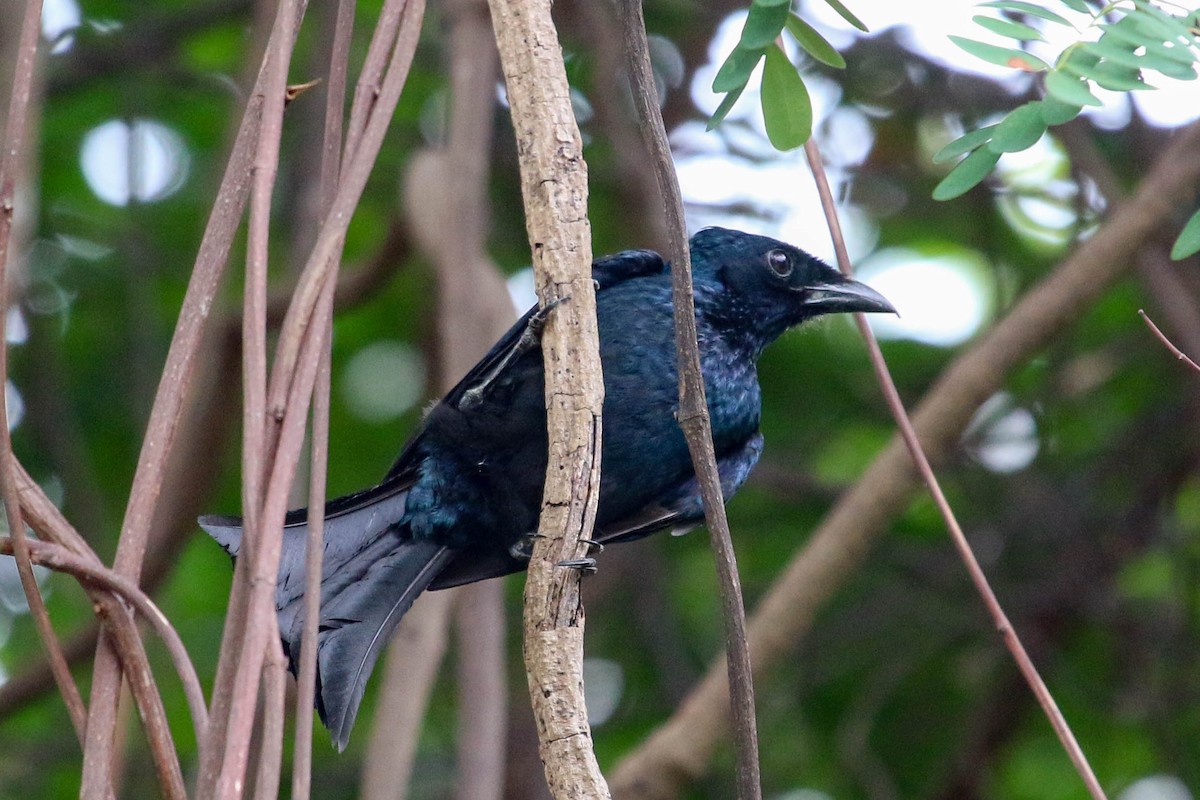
[
  {"x": 626, "y": 265},
  {"x": 679, "y": 511},
  {"x": 607, "y": 272},
  {"x": 683, "y": 509}
]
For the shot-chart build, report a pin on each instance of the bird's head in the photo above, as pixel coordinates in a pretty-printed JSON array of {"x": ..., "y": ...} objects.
[{"x": 772, "y": 285}]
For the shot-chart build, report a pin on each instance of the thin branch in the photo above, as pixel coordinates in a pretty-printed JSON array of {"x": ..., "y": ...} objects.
[
  {"x": 93, "y": 574},
  {"x": 1167, "y": 343},
  {"x": 680, "y": 750},
  {"x": 896, "y": 406},
  {"x": 357, "y": 162},
  {"x": 258, "y": 564},
  {"x": 339, "y": 55},
  {"x": 14, "y": 149},
  {"x": 554, "y": 190},
  {"x": 693, "y": 408},
  {"x": 274, "y": 695},
  {"x": 173, "y": 390}
]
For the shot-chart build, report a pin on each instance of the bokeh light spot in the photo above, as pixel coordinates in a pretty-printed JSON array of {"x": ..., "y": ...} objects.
[
  {"x": 942, "y": 299},
  {"x": 139, "y": 160},
  {"x": 383, "y": 380}
]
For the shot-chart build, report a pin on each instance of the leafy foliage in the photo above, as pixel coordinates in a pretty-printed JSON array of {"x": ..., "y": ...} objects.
[
  {"x": 1142, "y": 37},
  {"x": 787, "y": 110}
]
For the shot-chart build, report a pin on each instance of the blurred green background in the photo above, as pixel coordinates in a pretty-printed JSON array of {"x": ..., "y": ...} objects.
[{"x": 1077, "y": 485}]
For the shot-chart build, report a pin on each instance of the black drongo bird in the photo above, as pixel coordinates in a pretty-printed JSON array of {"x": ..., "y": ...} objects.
[{"x": 462, "y": 500}]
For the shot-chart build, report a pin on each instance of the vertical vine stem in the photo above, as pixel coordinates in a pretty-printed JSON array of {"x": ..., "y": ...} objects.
[
  {"x": 693, "y": 407},
  {"x": 554, "y": 190},
  {"x": 14, "y": 147},
  {"x": 339, "y": 54},
  {"x": 909, "y": 434}
]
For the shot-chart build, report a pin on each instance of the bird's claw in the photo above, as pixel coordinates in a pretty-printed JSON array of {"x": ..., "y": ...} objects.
[
  {"x": 585, "y": 565},
  {"x": 593, "y": 546}
]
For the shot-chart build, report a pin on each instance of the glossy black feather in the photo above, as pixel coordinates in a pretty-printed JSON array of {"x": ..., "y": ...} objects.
[{"x": 463, "y": 497}]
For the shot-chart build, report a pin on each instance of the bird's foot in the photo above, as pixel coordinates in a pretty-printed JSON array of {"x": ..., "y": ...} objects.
[
  {"x": 530, "y": 338},
  {"x": 593, "y": 546},
  {"x": 585, "y": 565}
]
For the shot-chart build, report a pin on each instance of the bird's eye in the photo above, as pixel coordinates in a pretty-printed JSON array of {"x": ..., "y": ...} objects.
[{"x": 780, "y": 263}]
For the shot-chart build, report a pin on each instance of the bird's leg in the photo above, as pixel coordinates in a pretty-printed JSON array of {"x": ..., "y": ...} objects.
[
  {"x": 585, "y": 565},
  {"x": 530, "y": 338}
]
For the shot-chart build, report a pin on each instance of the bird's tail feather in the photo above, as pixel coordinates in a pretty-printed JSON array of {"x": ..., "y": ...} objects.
[
  {"x": 359, "y": 621},
  {"x": 371, "y": 573}
]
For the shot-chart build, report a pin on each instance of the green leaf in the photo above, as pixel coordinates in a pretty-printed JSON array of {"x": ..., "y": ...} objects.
[
  {"x": 724, "y": 108},
  {"x": 787, "y": 110},
  {"x": 1114, "y": 50},
  {"x": 1012, "y": 30},
  {"x": 1117, "y": 78},
  {"x": 1172, "y": 69},
  {"x": 964, "y": 144},
  {"x": 814, "y": 43},
  {"x": 1087, "y": 63},
  {"x": 1188, "y": 242},
  {"x": 1001, "y": 56},
  {"x": 1077, "y": 5},
  {"x": 1070, "y": 89},
  {"x": 1030, "y": 9},
  {"x": 1156, "y": 22},
  {"x": 1056, "y": 112},
  {"x": 1019, "y": 130},
  {"x": 846, "y": 14},
  {"x": 970, "y": 171},
  {"x": 764, "y": 24},
  {"x": 736, "y": 70}
]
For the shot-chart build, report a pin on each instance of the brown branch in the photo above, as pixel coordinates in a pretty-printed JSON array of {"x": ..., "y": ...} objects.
[
  {"x": 340, "y": 26},
  {"x": 267, "y": 95},
  {"x": 896, "y": 406},
  {"x": 93, "y": 574},
  {"x": 165, "y": 416},
  {"x": 680, "y": 750},
  {"x": 50, "y": 524},
  {"x": 258, "y": 564},
  {"x": 14, "y": 150},
  {"x": 1167, "y": 343},
  {"x": 554, "y": 189},
  {"x": 693, "y": 407},
  {"x": 274, "y": 695},
  {"x": 290, "y": 390}
]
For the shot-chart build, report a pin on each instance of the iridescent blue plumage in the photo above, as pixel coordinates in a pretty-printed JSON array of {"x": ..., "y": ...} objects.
[{"x": 464, "y": 495}]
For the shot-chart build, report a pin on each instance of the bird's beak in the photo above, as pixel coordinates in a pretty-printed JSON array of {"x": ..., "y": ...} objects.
[{"x": 845, "y": 296}]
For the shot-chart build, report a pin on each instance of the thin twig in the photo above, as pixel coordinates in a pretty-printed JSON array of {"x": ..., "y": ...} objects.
[
  {"x": 1162, "y": 337},
  {"x": 896, "y": 406},
  {"x": 93, "y": 574},
  {"x": 173, "y": 390},
  {"x": 260, "y": 540},
  {"x": 680, "y": 750},
  {"x": 14, "y": 148},
  {"x": 693, "y": 408},
  {"x": 339, "y": 55},
  {"x": 274, "y": 695},
  {"x": 356, "y": 168},
  {"x": 298, "y": 378}
]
